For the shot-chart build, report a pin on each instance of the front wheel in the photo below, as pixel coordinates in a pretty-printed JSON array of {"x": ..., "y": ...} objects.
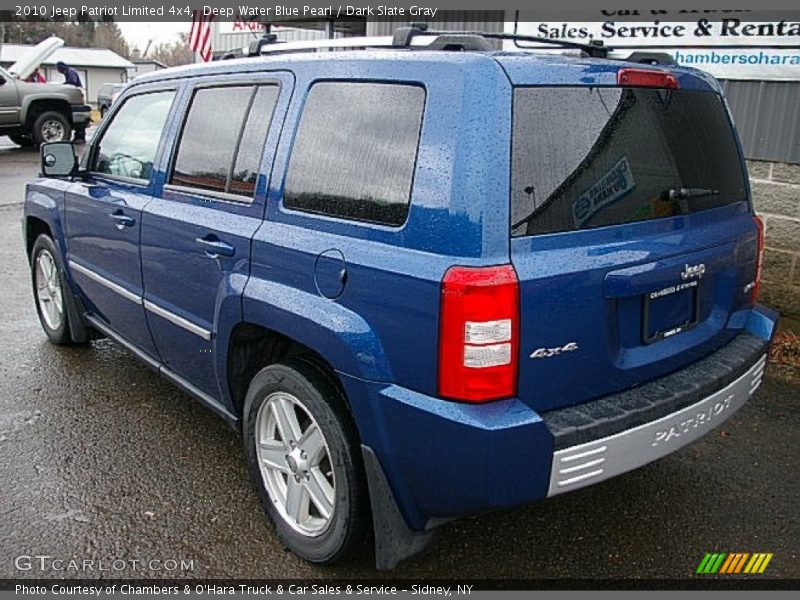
[
  {"x": 51, "y": 126},
  {"x": 304, "y": 459},
  {"x": 49, "y": 290}
]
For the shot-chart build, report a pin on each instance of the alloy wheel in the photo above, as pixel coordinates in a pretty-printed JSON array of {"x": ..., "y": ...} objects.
[
  {"x": 48, "y": 290},
  {"x": 295, "y": 464}
]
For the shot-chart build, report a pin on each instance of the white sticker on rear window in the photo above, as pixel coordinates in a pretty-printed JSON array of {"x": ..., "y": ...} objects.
[{"x": 613, "y": 185}]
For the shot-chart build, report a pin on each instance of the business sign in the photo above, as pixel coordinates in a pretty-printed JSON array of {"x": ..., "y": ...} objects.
[
  {"x": 241, "y": 25},
  {"x": 727, "y": 47},
  {"x": 740, "y": 63}
]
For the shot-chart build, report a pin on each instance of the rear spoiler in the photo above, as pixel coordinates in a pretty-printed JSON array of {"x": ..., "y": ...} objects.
[{"x": 645, "y": 58}]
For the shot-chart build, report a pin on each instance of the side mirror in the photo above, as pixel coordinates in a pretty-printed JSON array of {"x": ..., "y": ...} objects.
[{"x": 58, "y": 159}]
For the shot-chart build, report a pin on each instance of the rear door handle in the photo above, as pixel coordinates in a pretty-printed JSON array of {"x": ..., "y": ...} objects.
[
  {"x": 215, "y": 247},
  {"x": 122, "y": 220}
]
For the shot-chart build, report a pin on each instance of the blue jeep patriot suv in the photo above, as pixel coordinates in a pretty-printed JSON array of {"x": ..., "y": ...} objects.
[{"x": 421, "y": 283}]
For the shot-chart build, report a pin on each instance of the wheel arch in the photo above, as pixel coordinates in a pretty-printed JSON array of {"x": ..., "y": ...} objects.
[
  {"x": 34, "y": 107},
  {"x": 42, "y": 215},
  {"x": 291, "y": 322},
  {"x": 251, "y": 347},
  {"x": 34, "y": 227}
]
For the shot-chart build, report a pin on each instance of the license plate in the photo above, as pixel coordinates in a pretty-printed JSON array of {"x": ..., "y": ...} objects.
[{"x": 670, "y": 311}]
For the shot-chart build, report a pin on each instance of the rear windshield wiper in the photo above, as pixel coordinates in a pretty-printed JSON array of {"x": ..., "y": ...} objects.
[{"x": 685, "y": 193}]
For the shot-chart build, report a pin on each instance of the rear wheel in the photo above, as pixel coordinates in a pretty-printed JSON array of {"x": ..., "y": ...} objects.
[
  {"x": 50, "y": 290},
  {"x": 304, "y": 460},
  {"x": 51, "y": 126}
]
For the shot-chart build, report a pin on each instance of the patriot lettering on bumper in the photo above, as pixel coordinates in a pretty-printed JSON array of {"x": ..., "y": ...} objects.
[{"x": 585, "y": 464}]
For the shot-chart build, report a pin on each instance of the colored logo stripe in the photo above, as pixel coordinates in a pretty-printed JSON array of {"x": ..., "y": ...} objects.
[
  {"x": 723, "y": 563},
  {"x": 735, "y": 562},
  {"x": 727, "y": 564},
  {"x": 758, "y": 563},
  {"x": 711, "y": 563}
]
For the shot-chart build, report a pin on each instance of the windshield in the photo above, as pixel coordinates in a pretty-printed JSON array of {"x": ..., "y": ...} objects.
[{"x": 587, "y": 157}]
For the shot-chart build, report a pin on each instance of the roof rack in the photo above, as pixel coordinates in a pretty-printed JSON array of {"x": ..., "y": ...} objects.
[
  {"x": 414, "y": 36},
  {"x": 403, "y": 37},
  {"x": 271, "y": 45}
]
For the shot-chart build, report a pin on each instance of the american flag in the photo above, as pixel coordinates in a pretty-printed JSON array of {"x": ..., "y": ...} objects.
[{"x": 200, "y": 35}]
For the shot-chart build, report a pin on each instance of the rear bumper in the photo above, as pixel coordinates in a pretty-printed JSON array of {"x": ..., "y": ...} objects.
[
  {"x": 584, "y": 464},
  {"x": 444, "y": 459},
  {"x": 81, "y": 114}
]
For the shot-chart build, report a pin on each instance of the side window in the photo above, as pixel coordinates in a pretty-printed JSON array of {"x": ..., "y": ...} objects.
[
  {"x": 248, "y": 160},
  {"x": 355, "y": 151},
  {"x": 223, "y": 137},
  {"x": 129, "y": 143}
]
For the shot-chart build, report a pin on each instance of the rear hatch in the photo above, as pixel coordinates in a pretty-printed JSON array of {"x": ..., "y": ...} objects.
[{"x": 631, "y": 235}]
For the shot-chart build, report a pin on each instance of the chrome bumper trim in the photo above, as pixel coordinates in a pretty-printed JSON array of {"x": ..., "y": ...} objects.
[{"x": 578, "y": 466}]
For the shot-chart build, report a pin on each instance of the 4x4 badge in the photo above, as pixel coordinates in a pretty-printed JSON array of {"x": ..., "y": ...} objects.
[{"x": 550, "y": 352}]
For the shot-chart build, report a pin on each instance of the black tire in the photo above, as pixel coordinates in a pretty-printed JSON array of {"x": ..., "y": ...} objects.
[
  {"x": 47, "y": 122},
  {"x": 349, "y": 522},
  {"x": 58, "y": 334},
  {"x": 22, "y": 140},
  {"x": 103, "y": 111}
]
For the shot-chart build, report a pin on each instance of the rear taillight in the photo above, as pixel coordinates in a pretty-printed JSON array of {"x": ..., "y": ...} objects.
[
  {"x": 754, "y": 293},
  {"x": 646, "y": 78},
  {"x": 479, "y": 333}
]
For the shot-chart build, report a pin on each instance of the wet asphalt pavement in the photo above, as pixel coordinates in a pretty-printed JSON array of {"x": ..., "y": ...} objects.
[{"x": 101, "y": 460}]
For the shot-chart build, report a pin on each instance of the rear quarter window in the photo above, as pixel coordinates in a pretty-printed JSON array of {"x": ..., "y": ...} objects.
[
  {"x": 355, "y": 151},
  {"x": 586, "y": 157}
]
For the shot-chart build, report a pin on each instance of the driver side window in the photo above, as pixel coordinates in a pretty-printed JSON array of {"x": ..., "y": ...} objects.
[{"x": 129, "y": 143}]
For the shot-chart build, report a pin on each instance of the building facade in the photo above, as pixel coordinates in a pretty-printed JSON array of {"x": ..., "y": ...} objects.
[{"x": 143, "y": 65}]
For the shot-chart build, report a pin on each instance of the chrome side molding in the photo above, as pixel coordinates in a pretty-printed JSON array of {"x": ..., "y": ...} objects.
[
  {"x": 177, "y": 320},
  {"x": 114, "y": 287},
  {"x": 148, "y": 305}
]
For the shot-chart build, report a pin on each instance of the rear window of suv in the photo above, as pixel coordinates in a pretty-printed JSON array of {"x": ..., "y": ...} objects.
[{"x": 587, "y": 157}]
